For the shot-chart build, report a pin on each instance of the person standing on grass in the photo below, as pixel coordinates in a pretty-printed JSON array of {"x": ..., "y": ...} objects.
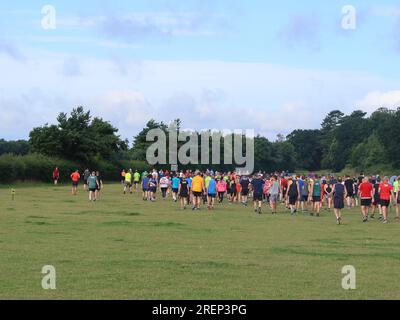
[
  {"x": 153, "y": 186},
  {"x": 56, "y": 175},
  {"x": 164, "y": 185},
  {"x": 328, "y": 195},
  {"x": 99, "y": 185},
  {"x": 136, "y": 180},
  {"x": 183, "y": 192},
  {"x": 128, "y": 181},
  {"x": 245, "y": 182},
  {"x": 292, "y": 194},
  {"x": 123, "y": 176},
  {"x": 86, "y": 175},
  {"x": 198, "y": 188},
  {"x": 398, "y": 201},
  {"x": 385, "y": 194},
  {"x": 211, "y": 192},
  {"x": 315, "y": 193},
  {"x": 175, "y": 187},
  {"x": 93, "y": 184},
  {"x": 396, "y": 197},
  {"x": 304, "y": 190},
  {"x": 75, "y": 176},
  {"x": 366, "y": 193},
  {"x": 257, "y": 187},
  {"x": 349, "y": 185},
  {"x": 274, "y": 192},
  {"x": 221, "y": 188},
  {"x": 376, "y": 204},
  {"x": 145, "y": 188},
  {"x": 339, "y": 194}
]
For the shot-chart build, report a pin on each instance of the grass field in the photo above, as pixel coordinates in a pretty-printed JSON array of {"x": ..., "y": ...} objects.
[{"x": 124, "y": 248}]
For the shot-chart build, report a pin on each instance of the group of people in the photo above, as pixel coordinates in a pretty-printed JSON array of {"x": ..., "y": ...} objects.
[
  {"x": 308, "y": 193},
  {"x": 92, "y": 182}
]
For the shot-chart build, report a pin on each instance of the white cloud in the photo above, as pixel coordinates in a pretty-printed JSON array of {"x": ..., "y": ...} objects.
[
  {"x": 203, "y": 94},
  {"x": 377, "y": 99}
]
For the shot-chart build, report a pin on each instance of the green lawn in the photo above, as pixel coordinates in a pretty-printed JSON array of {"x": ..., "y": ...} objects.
[{"x": 124, "y": 248}]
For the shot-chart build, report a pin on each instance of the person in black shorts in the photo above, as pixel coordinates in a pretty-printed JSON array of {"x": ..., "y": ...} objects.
[
  {"x": 376, "y": 203},
  {"x": 349, "y": 185},
  {"x": 99, "y": 185},
  {"x": 183, "y": 192},
  {"x": 292, "y": 194},
  {"x": 245, "y": 182},
  {"x": 257, "y": 186}
]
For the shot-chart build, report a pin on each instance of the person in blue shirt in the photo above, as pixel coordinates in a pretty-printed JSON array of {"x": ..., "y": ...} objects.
[
  {"x": 257, "y": 187},
  {"x": 211, "y": 193},
  {"x": 145, "y": 187},
  {"x": 175, "y": 187}
]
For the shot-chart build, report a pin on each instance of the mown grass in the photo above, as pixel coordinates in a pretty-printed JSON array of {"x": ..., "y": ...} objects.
[{"x": 124, "y": 248}]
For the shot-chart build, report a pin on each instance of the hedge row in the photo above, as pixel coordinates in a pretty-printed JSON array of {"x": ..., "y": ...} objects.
[{"x": 37, "y": 167}]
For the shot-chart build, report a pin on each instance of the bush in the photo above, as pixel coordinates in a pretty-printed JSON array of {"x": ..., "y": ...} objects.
[
  {"x": 37, "y": 167},
  {"x": 34, "y": 167}
]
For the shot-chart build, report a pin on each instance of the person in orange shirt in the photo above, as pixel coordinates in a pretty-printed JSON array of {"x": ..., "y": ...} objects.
[
  {"x": 123, "y": 173},
  {"x": 75, "y": 176},
  {"x": 198, "y": 188}
]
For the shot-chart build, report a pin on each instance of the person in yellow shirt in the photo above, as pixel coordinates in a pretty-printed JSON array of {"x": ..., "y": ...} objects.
[
  {"x": 198, "y": 189},
  {"x": 128, "y": 181}
]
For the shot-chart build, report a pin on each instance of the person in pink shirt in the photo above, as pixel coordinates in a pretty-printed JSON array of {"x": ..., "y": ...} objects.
[{"x": 221, "y": 189}]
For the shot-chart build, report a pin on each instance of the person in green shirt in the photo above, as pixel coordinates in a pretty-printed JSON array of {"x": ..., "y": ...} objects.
[
  {"x": 136, "y": 179},
  {"x": 207, "y": 180},
  {"x": 128, "y": 181},
  {"x": 93, "y": 184},
  {"x": 396, "y": 192}
]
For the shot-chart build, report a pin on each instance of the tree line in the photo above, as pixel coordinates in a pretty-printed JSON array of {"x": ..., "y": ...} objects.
[{"x": 364, "y": 143}]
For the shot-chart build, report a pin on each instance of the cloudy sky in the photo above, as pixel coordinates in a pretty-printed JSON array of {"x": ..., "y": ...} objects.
[{"x": 215, "y": 64}]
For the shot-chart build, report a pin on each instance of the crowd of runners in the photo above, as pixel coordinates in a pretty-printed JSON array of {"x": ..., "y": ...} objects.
[{"x": 297, "y": 193}]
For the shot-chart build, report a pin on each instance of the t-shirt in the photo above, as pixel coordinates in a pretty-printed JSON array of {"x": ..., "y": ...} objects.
[
  {"x": 274, "y": 189},
  {"x": 349, "y": 185},
  {"x": 164, "y": 182},
  {"x": 197, "y": 184},
  {"x": 386, "y": 189},
  {"x": 396, "y": 186},
  {"x": 92, "y": 182},
  {"x": 189, "y": 180},
  {"x": 365, "y": 190},
  {"x": 212, "y": 187},
  {"x": 244, "y": 182},
  {"x": 136, "y": 176},
  {"x": 207, "y": 181},
  {"x": 145, "y": 183},
  {"x": 316, "y": 189},
  {"x": 75, "y": 176},
  {"x": 257, "y": 186},
  {"x": 175, "y": 182},
  {"x": 184, "y": 186},
  {"x": 128, "y": 177}
]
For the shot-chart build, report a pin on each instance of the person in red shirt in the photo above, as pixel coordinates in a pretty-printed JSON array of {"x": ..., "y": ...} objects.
[
  {"x": 56, "y": 175},
  {"x": 284, "y": 184},
  {"x": 75, "y": 176},
  {"x": 366, "y": 193},
  {"x": 385, "y": 194}
]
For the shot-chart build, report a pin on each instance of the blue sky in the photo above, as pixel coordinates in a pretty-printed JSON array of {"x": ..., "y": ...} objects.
[{"x": 217, "y": 64}]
